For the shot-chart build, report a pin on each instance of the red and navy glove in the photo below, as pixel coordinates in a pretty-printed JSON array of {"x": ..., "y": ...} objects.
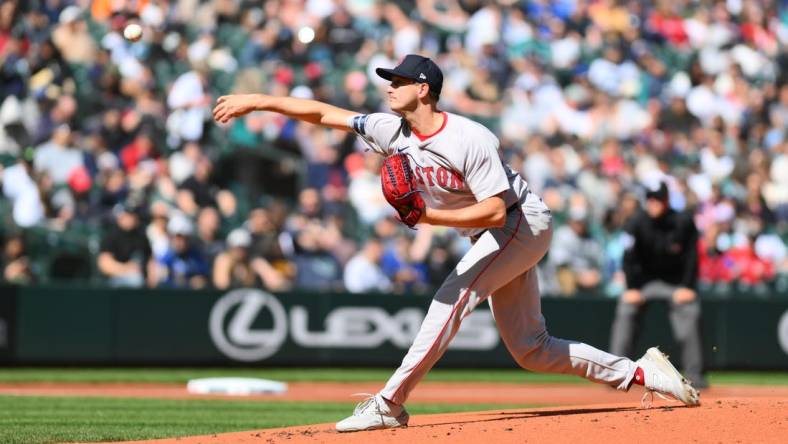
[{"x": 400, "y": 188}]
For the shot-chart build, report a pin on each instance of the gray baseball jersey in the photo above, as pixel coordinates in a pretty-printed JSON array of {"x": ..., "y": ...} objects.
[{"x": 457, "y": 166}]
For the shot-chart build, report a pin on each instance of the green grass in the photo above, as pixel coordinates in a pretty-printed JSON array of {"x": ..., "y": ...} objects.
[
  {"x": 749, "y": 378},
  {"x": 348, "y": 375},
  {"x": 34, "y": 420}
]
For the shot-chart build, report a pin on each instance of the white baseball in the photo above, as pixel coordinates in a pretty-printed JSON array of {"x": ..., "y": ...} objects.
[{"x": 132, "y": 32}]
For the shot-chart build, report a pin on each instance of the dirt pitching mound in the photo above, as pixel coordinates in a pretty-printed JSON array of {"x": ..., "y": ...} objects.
[{"x": 743, "y": 420}]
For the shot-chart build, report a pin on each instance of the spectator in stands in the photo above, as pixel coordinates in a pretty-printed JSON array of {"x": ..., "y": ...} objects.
[
  {"x": 616, "y": 242},
  {"x": 112, "y": 183},
  {"x": 363, "y": 274},
  {"x": 196, "y": 191},
  {"x": 14, "y": 136},
  {"x": 140, "y": 149},
  {"x": 72, "y": 38},
  {"x": 233, "y": 267},
  {"x": 125, "y": 255},
  {"x": 188, "y": 101},
  {"x": 156, "y": 231},
  {"x": 316, "y": 267},
  {"x": 265, "y": 239},
  {"x": 20, "y": 187},
  {"x": 575, "y": 257},
  {"x": 15, "y": 263},
  {"x": 313, "y": 242},
  {"x": 404, "y": 268},
  {"x": 267, "y": 245},
  {"x": 661, "y": 262},
  {"x": 57, "y": 157},
  {"x": 237, "y": 267},
  {"x": 12, "y": 45},
  {"x": 56, "y": 111},
  {"x": 182, "y": 265},
  {"x": 207, "y": 239},
  {"x": 441, "y": 258},
  {"x": 364, "y": 190}
]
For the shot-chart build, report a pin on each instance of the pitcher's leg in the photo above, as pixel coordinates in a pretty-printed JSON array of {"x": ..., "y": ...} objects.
[
  {"x": 439, "y": 327},
  {"x": 474, "y": 278},
  {"x": 517, "y": 311},
  {"x": 497, "y": 257}
]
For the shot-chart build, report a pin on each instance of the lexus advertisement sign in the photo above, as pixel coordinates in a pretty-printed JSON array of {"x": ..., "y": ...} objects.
[{"x": 251, "y": 325}]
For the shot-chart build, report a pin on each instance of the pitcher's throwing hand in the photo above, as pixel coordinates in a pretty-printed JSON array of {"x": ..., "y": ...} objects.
[{"x": 230, "y": 107}]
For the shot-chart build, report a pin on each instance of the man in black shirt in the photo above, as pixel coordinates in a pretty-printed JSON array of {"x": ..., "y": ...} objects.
[
  {"x": 125, "y": 253},
  {"x": 661, "y": 262}
]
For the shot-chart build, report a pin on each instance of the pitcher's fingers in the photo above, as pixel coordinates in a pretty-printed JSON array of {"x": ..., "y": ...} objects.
[
  {"x": 221, "y": 110},
  {"x": 220, "y": 114},
  {"x": 221, "y": 99},
  {"x": 228, "y": 116}
]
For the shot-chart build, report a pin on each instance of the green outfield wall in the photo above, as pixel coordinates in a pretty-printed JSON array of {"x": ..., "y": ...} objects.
[{"x": 79, "y": 326}]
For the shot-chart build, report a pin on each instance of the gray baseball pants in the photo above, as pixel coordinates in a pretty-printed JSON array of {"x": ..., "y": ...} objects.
[{"x": 500, "y": 267}]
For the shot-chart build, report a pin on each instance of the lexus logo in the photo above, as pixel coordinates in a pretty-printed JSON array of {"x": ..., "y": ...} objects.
[
  {"x": 236, "y": 337},
  {"x": 250, "y": 325}
]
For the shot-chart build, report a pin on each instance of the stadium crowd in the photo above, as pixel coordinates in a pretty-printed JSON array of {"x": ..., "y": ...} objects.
[{"x": 113, "y": 173}]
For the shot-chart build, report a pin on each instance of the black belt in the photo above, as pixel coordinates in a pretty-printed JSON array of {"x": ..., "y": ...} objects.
[{"x": 509, "y": 209}]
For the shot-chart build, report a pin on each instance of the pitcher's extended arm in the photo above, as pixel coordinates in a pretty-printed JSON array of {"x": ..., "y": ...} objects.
[{"x": 312, "y": 111}]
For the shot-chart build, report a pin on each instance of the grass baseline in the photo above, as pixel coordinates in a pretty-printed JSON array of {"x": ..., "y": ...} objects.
[
  {"x": 43, "y": 420},
  {"x": 345, "y": 375}
]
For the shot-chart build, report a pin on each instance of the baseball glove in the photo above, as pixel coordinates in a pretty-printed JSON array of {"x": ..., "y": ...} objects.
[{"x": 399, "y": 187}]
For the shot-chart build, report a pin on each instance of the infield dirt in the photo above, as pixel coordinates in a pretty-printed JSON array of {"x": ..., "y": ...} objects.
[{"x": 744, "y": 420}]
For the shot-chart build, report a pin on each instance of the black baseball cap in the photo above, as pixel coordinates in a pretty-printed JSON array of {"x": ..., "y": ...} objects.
[
  {"x": 417, "y": 68},
  {"x": 657, "y": 190}
]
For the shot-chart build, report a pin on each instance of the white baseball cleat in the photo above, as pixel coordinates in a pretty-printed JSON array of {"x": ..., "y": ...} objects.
[
  {"x": 662, "y": 378},
  {"x": 374, "y": 413}
]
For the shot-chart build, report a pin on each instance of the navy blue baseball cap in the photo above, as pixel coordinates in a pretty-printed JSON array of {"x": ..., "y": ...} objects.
[{"x": 417, "y": 68}]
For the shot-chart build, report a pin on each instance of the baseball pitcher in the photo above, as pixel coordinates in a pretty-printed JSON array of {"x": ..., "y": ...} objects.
[{"x": 444, "y": 169}]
